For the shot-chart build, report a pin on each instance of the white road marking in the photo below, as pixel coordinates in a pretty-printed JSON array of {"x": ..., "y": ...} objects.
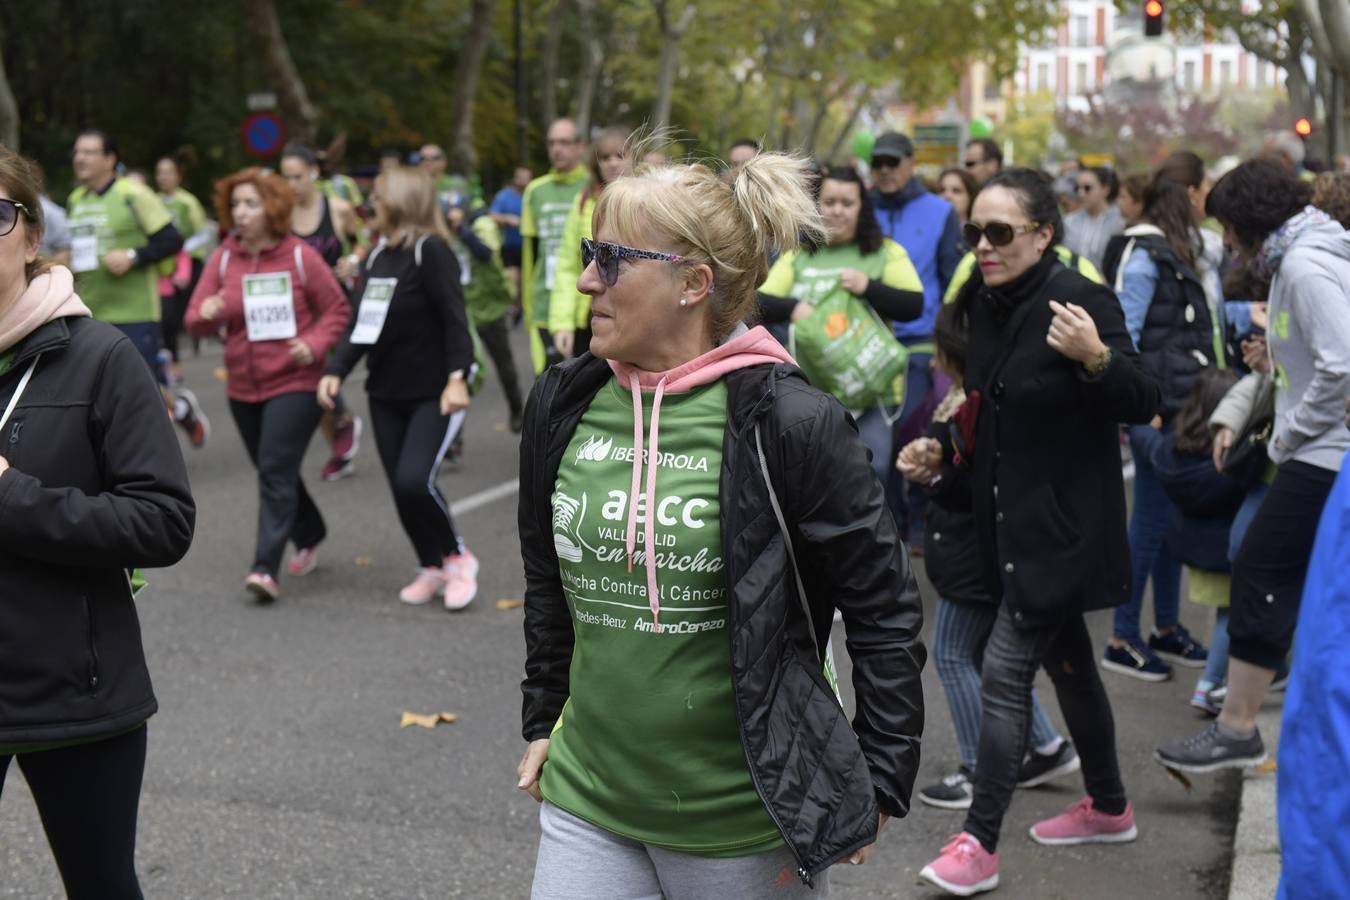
[{"x": 483, "y": 498}]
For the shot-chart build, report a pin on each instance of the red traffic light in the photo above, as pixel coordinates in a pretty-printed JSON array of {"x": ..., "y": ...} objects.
[
  {"x": 1153, "y": 9},
  {"x": 1153, "y": 18},
  {"x": 1303, "y": 128}
]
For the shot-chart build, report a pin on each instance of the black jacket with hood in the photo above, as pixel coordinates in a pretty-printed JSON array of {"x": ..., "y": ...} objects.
[
  {"x": 96, "y": 487},
  {"x": 822, "y": 780}
]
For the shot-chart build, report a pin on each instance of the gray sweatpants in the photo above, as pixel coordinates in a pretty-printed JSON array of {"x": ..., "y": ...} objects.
[{"x": 578, "y": 861}]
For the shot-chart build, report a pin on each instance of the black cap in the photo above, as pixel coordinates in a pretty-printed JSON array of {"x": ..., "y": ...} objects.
[{"x": 893, "y": 144}]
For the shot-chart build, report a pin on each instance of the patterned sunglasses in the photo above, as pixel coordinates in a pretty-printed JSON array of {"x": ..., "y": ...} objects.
[{"x": 606, "y": 257}]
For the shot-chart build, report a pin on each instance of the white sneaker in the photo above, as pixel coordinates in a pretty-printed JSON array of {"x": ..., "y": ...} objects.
[
  {"x": 429, "y": 582},
  {"x": 461, "y": 580}
]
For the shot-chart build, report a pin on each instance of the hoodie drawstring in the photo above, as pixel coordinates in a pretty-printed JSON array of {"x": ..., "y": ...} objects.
[{"x": 648, "y": 531}]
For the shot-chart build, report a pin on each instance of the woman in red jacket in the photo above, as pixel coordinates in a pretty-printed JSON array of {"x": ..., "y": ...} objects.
[{"x": 281, "y": 311}]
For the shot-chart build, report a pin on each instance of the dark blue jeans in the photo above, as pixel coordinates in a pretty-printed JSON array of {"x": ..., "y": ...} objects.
[{"x": 1149, "y": 554}]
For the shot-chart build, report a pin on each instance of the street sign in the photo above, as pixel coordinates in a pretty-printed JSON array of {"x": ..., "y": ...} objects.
[
  {"x": 263, "y": 134},
  {"x": 937, "y": 145},
  {"x": 260, "y": 100}
]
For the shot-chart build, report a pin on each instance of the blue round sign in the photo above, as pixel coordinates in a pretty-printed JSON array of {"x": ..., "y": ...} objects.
[{"x": 263, "y": 134}]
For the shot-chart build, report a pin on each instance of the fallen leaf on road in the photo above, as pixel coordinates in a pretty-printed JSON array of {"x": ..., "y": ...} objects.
[
  {"x": 510, "y": 604},
  {"x": 1266, "y": 767},
  {"x": 362, "y": 560},
  {"x": 499, "y": 426},
  {"x": 1178, "y": 776},
  {"x": 426, "y": 720}
]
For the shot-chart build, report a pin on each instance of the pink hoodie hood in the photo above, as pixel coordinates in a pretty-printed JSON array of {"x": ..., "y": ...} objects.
[
  {"x": 743, "y": 348},
  {"x": 49, "y": 296}
]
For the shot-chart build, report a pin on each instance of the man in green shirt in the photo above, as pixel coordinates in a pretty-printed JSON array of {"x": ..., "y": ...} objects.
[
  {"x": 547, "y": 201},
  {"x": 431, "y": 159},
  {"x": 119, "y": 232}
]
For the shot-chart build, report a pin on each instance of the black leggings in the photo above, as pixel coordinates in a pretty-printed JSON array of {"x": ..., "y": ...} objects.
[
  {"x": 412, "y": 438},
  {"x": 1270, "y": 567},
  {"x": 276, "y": 433},
  {"x": 88, "y": 796}
]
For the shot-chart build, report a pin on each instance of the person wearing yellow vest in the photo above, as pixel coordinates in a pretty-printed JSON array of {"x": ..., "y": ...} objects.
[
  {"x": 547, "y": 201},
  {"x": 569, "y": 310},
  {"x": 119, "y": 231},
  {"x": 198, "y": 240},
  {"x": 966, "y": 267}
]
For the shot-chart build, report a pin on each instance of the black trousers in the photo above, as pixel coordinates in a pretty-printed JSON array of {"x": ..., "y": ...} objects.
[
  {"x": 88, "y": 797},
  {"x": 1010, "y": 662},
  {"x": 1272, "y": 564},
  {"x": 276, "y": 433},
  {"x": 412, "y": 438},
  {"x": 496, "y": 337}
]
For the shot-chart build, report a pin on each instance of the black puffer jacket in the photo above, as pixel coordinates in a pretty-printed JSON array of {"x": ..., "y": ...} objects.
[
  {"x": 822, "y": 781},
  {"x": 96, "y": 486}
]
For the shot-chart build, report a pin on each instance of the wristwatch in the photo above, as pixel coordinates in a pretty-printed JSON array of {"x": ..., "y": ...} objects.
[{"x": 131, "y": 256}]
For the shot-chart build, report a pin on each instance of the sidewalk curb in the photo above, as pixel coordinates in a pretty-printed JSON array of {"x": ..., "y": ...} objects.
[{"x": 1256, "y": 846}]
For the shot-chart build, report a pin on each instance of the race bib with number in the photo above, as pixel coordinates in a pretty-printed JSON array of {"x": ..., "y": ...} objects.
[
  {"x": 83, "y": 248},
  {"x": 550, "y": 269},
  {"x": 269, "y": 307},
  {"x": 374, "y": 310}
]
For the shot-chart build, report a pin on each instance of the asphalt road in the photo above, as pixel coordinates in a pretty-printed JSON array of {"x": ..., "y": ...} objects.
[{"x": 278, "y": 769}]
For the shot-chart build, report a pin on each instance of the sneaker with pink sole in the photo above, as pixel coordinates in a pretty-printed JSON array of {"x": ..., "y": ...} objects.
[
  {"x": 964, "y": 867},
  {"x": 1081, "y": 824},
  {"x": 461, "y": 580},
  {"x": 429, "y": 582},
  {"x": 262, "y": 586},
  {"x": 303, "y": 562}
]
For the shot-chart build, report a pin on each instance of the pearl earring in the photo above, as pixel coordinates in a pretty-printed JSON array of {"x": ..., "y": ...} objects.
[{"x": 684, "y": 301}]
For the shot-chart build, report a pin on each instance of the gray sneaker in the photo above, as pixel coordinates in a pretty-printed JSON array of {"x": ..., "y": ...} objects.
[{"x": 1210, "y": 750}]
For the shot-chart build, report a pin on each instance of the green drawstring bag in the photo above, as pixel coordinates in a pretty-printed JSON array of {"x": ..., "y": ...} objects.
[{"x": 847, "y": 351}]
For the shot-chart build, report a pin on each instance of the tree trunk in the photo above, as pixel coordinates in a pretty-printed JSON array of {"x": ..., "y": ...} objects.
[
  {"x": 9, "y": 112},
  {"x": 463, "y": 156},
  {"x": 864, "y": 94},
  {"x": 593, "y": 58},
  {"x": 299, "y": 115},
  {"x": 552, "y": 45},
  {"x": 671, "y": 32},
  {"x": 1336, "y": 23},
  {"x": 822, "y": 110}
]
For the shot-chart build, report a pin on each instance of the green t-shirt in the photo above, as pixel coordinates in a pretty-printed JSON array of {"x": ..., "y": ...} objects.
[
  {"x": 189, "y": 218},
  {"x": 486, "y": 295},
  {"x": 544, "y": 209},
  {"x": 647, "y": 746},
  {"x": 121, "y": 218}
]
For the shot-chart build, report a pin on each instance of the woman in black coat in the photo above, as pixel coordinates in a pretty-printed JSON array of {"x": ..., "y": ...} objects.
[
  {"x": 1053, "y": 372},
  {"x": 92, "y": 485}
]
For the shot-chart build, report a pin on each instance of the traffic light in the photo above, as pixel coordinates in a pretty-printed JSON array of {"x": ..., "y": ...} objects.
[
  {"x": 1153, "y": 18},
  {"x": 1303, "y": 128}
]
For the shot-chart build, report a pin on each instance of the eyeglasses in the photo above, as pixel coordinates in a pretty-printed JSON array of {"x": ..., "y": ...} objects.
[
  {"x": 433, "y": 157},
  {"x": 1084, "y": 188},
  {"x": 999, "y": 234},
  {"x": 9, "y": 215},
  {"x": 885, "y": 162},
  {"x": 606, "y": 257},
  {"x": 972, "y": 163}
]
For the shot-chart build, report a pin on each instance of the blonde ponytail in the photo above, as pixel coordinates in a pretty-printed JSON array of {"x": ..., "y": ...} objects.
[{"x": 773, "y": 193}]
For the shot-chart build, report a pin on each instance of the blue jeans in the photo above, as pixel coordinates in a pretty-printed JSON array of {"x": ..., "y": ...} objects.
[
  {"x": 1246, "y": 512},
  {"x": 874, "y": 427},
  {"x": 146, "y": 337},
  {"x": 1149, "y": 554},
  {"x": 959, "y": 639},
  {"x": 909, "y": 501},
  {"x": 1216, "y": 666}
]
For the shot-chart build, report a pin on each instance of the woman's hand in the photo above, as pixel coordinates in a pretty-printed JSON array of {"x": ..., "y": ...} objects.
[
  {"x": 854, "y": 282},
  {"x": 1260, "y": 317},
  {"x": 921, "y": 460},
  {"x": 455, "y": 396},
  {"x": 1223, "y": 441},
  {"x": 300, "y": 352},
  {"x": 1255, "y": 356},
  {"x": 564, "y": 342},
  {"x": 346, "y": 267},
  {"x": 327, "y": 391},
  {"x": 1074, "y": 334},
  {"x": 212, "y": 307},
  {"x": 801, "y": 311},
  {"x": 530, "y": 766},
  {"x": 860, "y": 857},
  {"x": 4, "y": 465}
]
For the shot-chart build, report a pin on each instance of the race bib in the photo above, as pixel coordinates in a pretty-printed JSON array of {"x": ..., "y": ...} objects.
[
  {"x": 550, "y": 269},
  {"x": 269, "y": 307},
  {"x": 374, "y": 309},
  {"x": 465, "y": 273},
  {"x": 83, "y": 248}
]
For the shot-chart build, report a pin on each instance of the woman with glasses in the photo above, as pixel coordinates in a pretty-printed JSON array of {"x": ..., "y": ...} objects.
[
  {"x": 1054, "y": 371},
  {"x": 92, "y": 485},
  {"x": 858, "y": 260},
  {"x": 1160, "y": 277},
  {"x": 1089, "y": 227},
  {"x": 413, "y": 329},
  {"x": 684, "y": 737}
]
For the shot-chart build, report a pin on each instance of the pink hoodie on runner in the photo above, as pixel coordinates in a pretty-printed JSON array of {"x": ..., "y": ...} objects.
[{"x": 744, "y": 348}]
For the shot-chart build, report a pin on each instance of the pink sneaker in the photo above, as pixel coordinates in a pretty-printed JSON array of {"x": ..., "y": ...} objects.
[
  {"x": 347, "y": 439},
  {"x": 429, "y": 582},
  {"x": 1081, "y": 824},
  {"x": 461, "y": 580},
  {"x": 262, "y": 586},
  {"x": 304, "y": 561},
  {"x": 963, "y": 868}
]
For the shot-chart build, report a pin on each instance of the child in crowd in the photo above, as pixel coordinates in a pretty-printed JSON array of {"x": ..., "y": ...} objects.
[
  {"x": 965, "y": 611},
  {"x": 1204, "y": 503}
]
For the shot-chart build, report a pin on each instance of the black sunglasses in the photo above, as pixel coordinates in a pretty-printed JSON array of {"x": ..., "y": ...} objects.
[
  {"x": 885, "y": 162},
  {"x": 606, "y": 257},
  {"x": 9, "y": 215},
  {"x": 999, "y": 234},
  {"x": 972, "y": 163}
]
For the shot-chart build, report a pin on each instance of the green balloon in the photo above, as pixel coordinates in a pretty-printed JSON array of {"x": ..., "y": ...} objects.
[
  {"x": 863, "y": 142},
  {"x": 980, "y": 127}
]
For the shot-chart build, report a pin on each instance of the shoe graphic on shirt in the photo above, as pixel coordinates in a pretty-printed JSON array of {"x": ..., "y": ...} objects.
[{"x": 566, "y": 537}]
